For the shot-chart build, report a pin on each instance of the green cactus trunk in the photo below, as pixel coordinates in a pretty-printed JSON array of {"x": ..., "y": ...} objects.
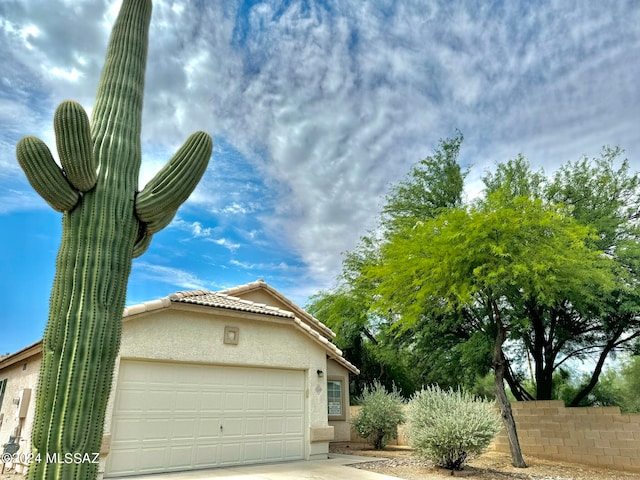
[
  {"x": 82, "y": 337},
  {"x": 106, "y": 223}
]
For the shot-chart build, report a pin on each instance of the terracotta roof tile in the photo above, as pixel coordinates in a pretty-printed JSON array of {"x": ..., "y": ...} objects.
[
  {"x": 306, "y": 316},
  {"x": 222, "y": 300},
  {"x": 225, "y": 300}
]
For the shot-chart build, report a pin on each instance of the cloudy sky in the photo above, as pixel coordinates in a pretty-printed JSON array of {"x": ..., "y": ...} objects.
[{"x": 316, "y": 107}]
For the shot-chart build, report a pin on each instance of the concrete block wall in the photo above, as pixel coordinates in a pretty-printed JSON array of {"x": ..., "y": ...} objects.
[{"x": 599, "y": 436}]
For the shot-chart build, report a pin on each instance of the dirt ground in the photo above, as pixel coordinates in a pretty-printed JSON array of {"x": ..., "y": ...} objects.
[{"x": 399, "y": 462}]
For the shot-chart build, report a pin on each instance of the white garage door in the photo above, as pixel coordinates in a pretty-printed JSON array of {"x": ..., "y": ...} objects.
[{"x": 175, "y": 416}]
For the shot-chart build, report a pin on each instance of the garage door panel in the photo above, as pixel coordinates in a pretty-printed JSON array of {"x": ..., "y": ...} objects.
[
  {"x": 274, "y": 449},
  {"x": 206, "y": 455},
  {"x": 159, "y": 401},
  {"x": 167, "y": 417},
  {"x": 255, "y": 402},
  {"x": 294, "y": 402},
  {"x": 211, "y": 401},
  {"x": 273, "y": 426},
  {"x": 293, "y": 449},
  {"x": 180, "y": 457},
  {"x": 234, "y": 401},
  {"x": 254, "y": 427},
  {"x": 130, "y": 398},
  {"x": 231, "y": 454},
  {"x": 253, "y": 452},
  {"x": 232, "y": 427},
  {"x": 127, "y": 428},
  {"x": 187, "y": 401},
  {"x": 183, "y": 428},
  {"x": 293, "y": 425},
  {"x": 157, "y": 429},
  {"x": 275, "y": 402},
  {"x": 208, "y": 428},
  {"x": 126, "y": 459},
  {"x": 154, "y": 458}
]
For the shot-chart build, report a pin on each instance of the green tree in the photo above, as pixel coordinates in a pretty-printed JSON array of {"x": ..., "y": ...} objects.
[
  {"x": 630, "y": 386},
  {"x": 608, "y": 199},
  {"x": 432, "y": 185},
  {"x": 595, "y": 193},
  {"x": 481, "y": 261},
  {"x": 363, "y": 341}
]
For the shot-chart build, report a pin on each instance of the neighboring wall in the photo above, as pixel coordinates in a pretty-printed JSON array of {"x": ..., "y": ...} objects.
[{"x": 599, "y": 436}]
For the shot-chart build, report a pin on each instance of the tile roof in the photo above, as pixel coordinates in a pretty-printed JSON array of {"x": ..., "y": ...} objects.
[
  {"x": 314, "y": 329},
  {"x": 300, "y": 312},
  {"x": 222, "y": 300}
]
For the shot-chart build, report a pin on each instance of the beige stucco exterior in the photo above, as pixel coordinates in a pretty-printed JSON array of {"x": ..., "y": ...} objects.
[
  {"x": 21, "y": 373},
  {"x": 341, "y": 426},
  {"x": 170, "y": 331}
]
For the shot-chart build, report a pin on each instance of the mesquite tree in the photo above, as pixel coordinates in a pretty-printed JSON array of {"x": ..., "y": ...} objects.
[{"x": 106, "y": 223}]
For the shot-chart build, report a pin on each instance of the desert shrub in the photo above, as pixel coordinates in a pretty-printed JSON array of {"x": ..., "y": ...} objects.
[
  {"x": 450, "y": 427},
  {"x": 380, "y": 414}
]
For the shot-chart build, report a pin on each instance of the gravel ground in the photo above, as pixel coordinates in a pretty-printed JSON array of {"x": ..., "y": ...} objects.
[{"x": 399, "y": 462}]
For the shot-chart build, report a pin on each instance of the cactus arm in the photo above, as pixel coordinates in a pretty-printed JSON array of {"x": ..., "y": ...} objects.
[
  {"x": 173, "y": 184},
  {"x": 147, "y": 230},
  {"x": 142, "y": 244},
  {"x": 156, "y": 225},
  {"x": 44, "y": 175},
  {"x": 75, "y": 148}
]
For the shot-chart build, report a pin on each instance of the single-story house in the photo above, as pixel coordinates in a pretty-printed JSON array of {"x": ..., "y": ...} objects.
[{"x": 206, "y": 379}]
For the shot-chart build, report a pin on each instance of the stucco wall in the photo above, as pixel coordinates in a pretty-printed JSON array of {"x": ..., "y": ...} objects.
[
  {"x": 341, "y": 428},
  {"x": 262, "y": 296},
  {"x": 19, "y": 376}
]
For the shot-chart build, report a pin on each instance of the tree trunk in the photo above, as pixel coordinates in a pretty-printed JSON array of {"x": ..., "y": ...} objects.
[
  {"x": 596, "y": 372},
  {"x": 501, "y": 395},
  {"x": 518, "y": 391}
]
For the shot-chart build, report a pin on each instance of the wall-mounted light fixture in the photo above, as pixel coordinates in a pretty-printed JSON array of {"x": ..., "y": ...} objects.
[{"x": 320, "y": 373}]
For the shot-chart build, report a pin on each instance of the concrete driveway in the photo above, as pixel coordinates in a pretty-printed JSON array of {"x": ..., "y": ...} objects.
[{"x": 334, "y": 468}]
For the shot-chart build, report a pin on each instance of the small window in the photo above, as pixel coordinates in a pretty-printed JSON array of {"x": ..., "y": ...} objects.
[{"x": 335, "y": 399}]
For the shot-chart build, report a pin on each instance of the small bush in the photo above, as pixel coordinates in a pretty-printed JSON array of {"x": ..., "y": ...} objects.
[
  {"x": 450, "y": 427},
  {"x": 380, "y": 414}
]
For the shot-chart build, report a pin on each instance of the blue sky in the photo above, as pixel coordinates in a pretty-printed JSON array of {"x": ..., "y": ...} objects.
[{"x": 316, "y": 107}]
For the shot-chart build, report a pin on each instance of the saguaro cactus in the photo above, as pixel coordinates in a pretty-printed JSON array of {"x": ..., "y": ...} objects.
[{"x": 106, "y": 224}]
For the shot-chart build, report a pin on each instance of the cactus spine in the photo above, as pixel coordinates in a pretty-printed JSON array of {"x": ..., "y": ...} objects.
[{"x": 106, "y": 223}]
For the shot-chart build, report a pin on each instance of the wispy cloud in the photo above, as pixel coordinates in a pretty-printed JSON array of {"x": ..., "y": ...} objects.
[
  {"x": 226, "y": 243},
  {"x": 269, "y": 267},
  {"x": 169, "y": 275}
]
